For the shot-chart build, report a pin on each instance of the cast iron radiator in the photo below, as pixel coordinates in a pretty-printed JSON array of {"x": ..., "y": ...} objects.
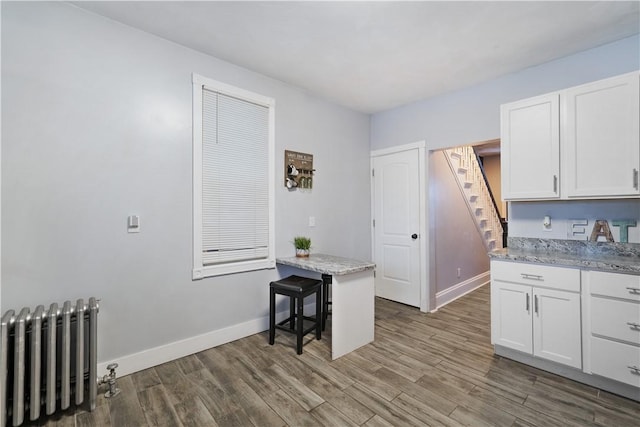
[{"x": 47, "y": 358}]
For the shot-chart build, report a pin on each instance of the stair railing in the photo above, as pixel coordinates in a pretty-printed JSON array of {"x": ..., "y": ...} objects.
[{"x": 477, "y": 195}]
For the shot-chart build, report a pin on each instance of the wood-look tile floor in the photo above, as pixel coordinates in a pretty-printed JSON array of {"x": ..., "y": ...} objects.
[{"x": 423, "y": 369}]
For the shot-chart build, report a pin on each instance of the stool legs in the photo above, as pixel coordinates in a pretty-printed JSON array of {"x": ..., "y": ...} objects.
[
  {"x": 300, "y": 325},
  {"x": 272, "y": 315},
  {"x": 319, "y": 313},
  {"x": 326, "y": 281},
  {"x": 292, "y": 313}
]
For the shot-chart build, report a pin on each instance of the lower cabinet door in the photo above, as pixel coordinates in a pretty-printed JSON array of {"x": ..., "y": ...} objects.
[
  {"x": 556, "y": 326},
  {"x": 511, "y": 307}
]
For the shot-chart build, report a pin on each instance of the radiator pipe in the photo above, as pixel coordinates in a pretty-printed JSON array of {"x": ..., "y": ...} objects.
[{"x": 110, "y": 379}]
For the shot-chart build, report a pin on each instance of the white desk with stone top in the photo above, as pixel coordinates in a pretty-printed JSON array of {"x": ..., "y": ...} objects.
[{"x": 352, "y": 298}]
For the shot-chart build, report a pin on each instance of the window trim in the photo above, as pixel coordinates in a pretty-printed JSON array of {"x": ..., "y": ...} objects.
[{"x": 199, "y": 270}]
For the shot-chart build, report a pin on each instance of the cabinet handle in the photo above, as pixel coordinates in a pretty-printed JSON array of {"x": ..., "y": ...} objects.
[
  {"x": 527, "y": 302},
  {"x": 635, "y": 178},
  {"x": 633, "y": 290},
  {"x": 535, "y": 302},
  {"x": 555, "y": 184},
  {"x": 634, "y": 325},
  {"x": 634, "y": 370},
  {"x": 532, "y": 277}
]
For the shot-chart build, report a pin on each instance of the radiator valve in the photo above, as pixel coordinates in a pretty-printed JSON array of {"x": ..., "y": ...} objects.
[{"x": 110, "y": 379}]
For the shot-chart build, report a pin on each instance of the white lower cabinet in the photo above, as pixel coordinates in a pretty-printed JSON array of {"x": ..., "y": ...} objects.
[
  {"x": 535, "y": 309},
  {"x": 552, "y": 317},
  {"x": 612, "y": 326}
]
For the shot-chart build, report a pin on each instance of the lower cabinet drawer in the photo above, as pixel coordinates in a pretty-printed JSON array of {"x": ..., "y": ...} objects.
[
  {"x": 615, "y": 360},
  {"x": 615, "y": 285},
  {"x": 616, "y": 319},
  {"x": 559, "y": 278}
]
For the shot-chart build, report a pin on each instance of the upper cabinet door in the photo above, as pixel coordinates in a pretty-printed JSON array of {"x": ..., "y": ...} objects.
[
  {"x": 530, "y": 132},
  {"x": 601, "y": 139}
]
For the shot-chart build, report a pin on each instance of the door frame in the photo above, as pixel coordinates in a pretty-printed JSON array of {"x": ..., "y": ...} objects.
[{"x": 421, "y": 146}]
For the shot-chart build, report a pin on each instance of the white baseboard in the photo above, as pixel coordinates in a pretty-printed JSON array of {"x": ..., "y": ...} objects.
[
  {"x": 145, "y": 359},
  {"x": 462, "y": 288}
]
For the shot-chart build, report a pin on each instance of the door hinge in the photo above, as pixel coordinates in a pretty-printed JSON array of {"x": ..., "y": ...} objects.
[
  {"x": 374, "y": 274},
  {"x": 374, "y": 222},
  {"x": 373, "y": 172}
]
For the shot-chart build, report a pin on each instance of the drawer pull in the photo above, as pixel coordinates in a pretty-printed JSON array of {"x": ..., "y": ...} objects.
[
  {"x": 633, "y": 290},
  {"x": 535, "y": 277},
  {"x": 634, "y": 325},
  {"x": 634, "y": 370}
]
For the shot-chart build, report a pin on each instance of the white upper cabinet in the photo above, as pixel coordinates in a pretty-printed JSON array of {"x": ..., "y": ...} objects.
[
  {"x": 531, "y": 148},
  {"x": 579, "y": 143},
  {"x": 602, "y": 138}
]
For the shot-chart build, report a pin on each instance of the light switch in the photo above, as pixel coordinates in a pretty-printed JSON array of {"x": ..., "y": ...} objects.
[
  {"x": 133, "y": 224},
  {"x": 312, "y": 221}
]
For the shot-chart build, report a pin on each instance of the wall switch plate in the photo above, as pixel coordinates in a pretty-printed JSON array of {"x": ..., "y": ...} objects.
[
  {"x": 546, "y": 223},
  {"x": 312, "y": 221},
  {"x": 133, "y": 224}
]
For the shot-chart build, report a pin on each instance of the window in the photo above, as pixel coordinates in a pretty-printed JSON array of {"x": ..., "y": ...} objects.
[{"x": 233, "y": 179}]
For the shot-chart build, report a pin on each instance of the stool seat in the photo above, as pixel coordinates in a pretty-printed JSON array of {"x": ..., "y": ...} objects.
[
  {"x": 296, "y": 288},
  {"x": 296, "y": 284}
]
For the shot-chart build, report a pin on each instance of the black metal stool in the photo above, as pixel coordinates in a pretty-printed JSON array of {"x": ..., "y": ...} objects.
[
  {"x": 296, "y": 288},
  {"x": 327, "y": 279}
]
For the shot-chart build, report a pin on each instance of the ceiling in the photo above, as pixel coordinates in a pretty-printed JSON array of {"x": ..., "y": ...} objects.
[{"x": 375, "y": 55}]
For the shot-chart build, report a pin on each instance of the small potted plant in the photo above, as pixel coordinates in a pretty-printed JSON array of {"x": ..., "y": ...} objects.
[{"x": 302, "y": 244}]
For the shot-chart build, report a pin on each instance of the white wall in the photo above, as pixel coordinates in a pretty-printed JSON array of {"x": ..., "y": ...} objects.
[
  {"x": 457, "y": 241},
  {"x": 97, "y": 126},
  {"x": 531, "y": 214},
  {"x": 470, "y": 115},
  {"x": 473, "y": 114}
]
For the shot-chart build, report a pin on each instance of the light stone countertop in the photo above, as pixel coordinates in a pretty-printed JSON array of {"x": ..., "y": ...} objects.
[
  {"x": 612, "y": 257},
  {"x": 327, "y": 264}
]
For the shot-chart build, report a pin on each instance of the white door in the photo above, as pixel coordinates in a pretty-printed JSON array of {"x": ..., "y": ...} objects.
[{"x": 396, "y": 194}]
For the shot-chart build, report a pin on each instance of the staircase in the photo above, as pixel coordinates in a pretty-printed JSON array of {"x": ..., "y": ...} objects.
[{"x": 477, "y": 195}]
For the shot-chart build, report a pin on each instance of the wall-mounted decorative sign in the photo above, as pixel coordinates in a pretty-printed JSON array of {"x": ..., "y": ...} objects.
[
  {"x": 577, "y": 230},
  {"x": 298, "y": 170}
]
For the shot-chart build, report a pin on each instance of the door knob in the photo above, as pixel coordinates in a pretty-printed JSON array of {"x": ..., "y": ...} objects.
[{"x": 414, "y": 236}]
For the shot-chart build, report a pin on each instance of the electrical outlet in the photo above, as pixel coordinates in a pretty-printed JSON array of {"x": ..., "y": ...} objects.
[
  {"x": 459, "y": 272},
  {"x": 312, "y": 221},
  {"x": 546, "y": 223}
]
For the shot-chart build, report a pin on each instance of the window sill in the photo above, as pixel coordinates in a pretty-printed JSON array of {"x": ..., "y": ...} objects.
[{"x": 231, "y": 268}]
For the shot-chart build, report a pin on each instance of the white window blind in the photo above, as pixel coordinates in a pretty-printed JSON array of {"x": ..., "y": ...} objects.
[
  {"x": 233, "y": 180},
  {"x": 235, "y": 203}
]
